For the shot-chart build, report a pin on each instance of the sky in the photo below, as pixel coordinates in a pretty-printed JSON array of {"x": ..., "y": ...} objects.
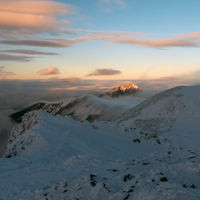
[{"x": 99, "y": 39}]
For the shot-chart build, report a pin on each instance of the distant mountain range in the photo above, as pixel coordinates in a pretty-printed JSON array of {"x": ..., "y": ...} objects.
[{"x": 88, "y": 107}]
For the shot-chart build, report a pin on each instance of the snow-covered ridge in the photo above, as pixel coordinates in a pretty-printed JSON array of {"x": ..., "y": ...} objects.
[
  {"x": 18, "y": 141},
  {"x": 134, "y": 112},
  {"x": 28, "y": 121},
  {"x": 87, "y": 107},
  {"x": 175, "y": 109},
  {"x": 177, "y": 101}
]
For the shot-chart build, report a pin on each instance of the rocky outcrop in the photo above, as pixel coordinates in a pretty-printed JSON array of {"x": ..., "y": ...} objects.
[{"x": 127, "y": 89}]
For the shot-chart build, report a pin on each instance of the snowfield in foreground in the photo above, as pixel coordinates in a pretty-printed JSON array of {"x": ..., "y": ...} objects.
[{"x": 150, "y": 152}]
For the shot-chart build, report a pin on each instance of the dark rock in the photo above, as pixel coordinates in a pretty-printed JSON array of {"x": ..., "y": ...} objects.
[
  {"x": 127, "y": 197},
  {"x": 146, "y": 163},
  {"x": 137, "y": 140},
  {"x": 104, "y": 185},
  {"x": 113, "y": 170},
  {"x": 65, "y": 184},
  {"x": 128, "y": 177},
  {"x": 184, "y": 186},
  {"x": 158, "y": 141},
  {"x": 163, "y": 179},
  {"x": 17, "y": 117},
  {"x": 93, "y": 182}
]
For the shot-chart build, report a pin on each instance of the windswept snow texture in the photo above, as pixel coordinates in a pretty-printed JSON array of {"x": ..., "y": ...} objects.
[{"x": 151, "y": 152}]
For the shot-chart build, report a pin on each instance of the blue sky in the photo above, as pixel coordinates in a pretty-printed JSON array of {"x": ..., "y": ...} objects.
[
  {"x": 155, "y": 16},
  {"x": 134, "y": 39}
]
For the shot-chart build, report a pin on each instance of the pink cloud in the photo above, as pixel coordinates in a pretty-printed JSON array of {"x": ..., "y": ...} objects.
[
  {"x": 194, "y": 36},
  {"x": 140, "y": 42},
  {"x": 35, "y": 7},
  {"x": 119, "y": 37},
  {"x": 134, "y": 39},
  {"x": 49, "y": 71},
  {"x": 152, "y": 43},
  {"x": 32, "y": 16},
  {"x": 27, "y": 21}
]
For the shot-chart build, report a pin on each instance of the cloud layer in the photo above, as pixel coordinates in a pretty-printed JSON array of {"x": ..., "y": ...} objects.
[
  {"x": 31, "y": 16},
  {"x": 29, "y": 52},
  {"x": 117, "y": 37},
  {"x": 15, "y": 58},
  {"x": 49, "y": 71},
  {"x": 19, "y": 18},
  {"x": 104, "y": 72},
  {"x": 151, "y": 43},
  {"x": 38, "y": 43}
]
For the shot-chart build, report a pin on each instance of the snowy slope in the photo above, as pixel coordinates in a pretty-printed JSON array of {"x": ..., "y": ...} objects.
[
  {"x": 175, "y": 110},
  {"x": 141, "y": 156},
  {"x": 55, "y": 130}
]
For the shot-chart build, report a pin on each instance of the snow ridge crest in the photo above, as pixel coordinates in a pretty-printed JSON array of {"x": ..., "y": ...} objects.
[{"x": 28, "y": 121}]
